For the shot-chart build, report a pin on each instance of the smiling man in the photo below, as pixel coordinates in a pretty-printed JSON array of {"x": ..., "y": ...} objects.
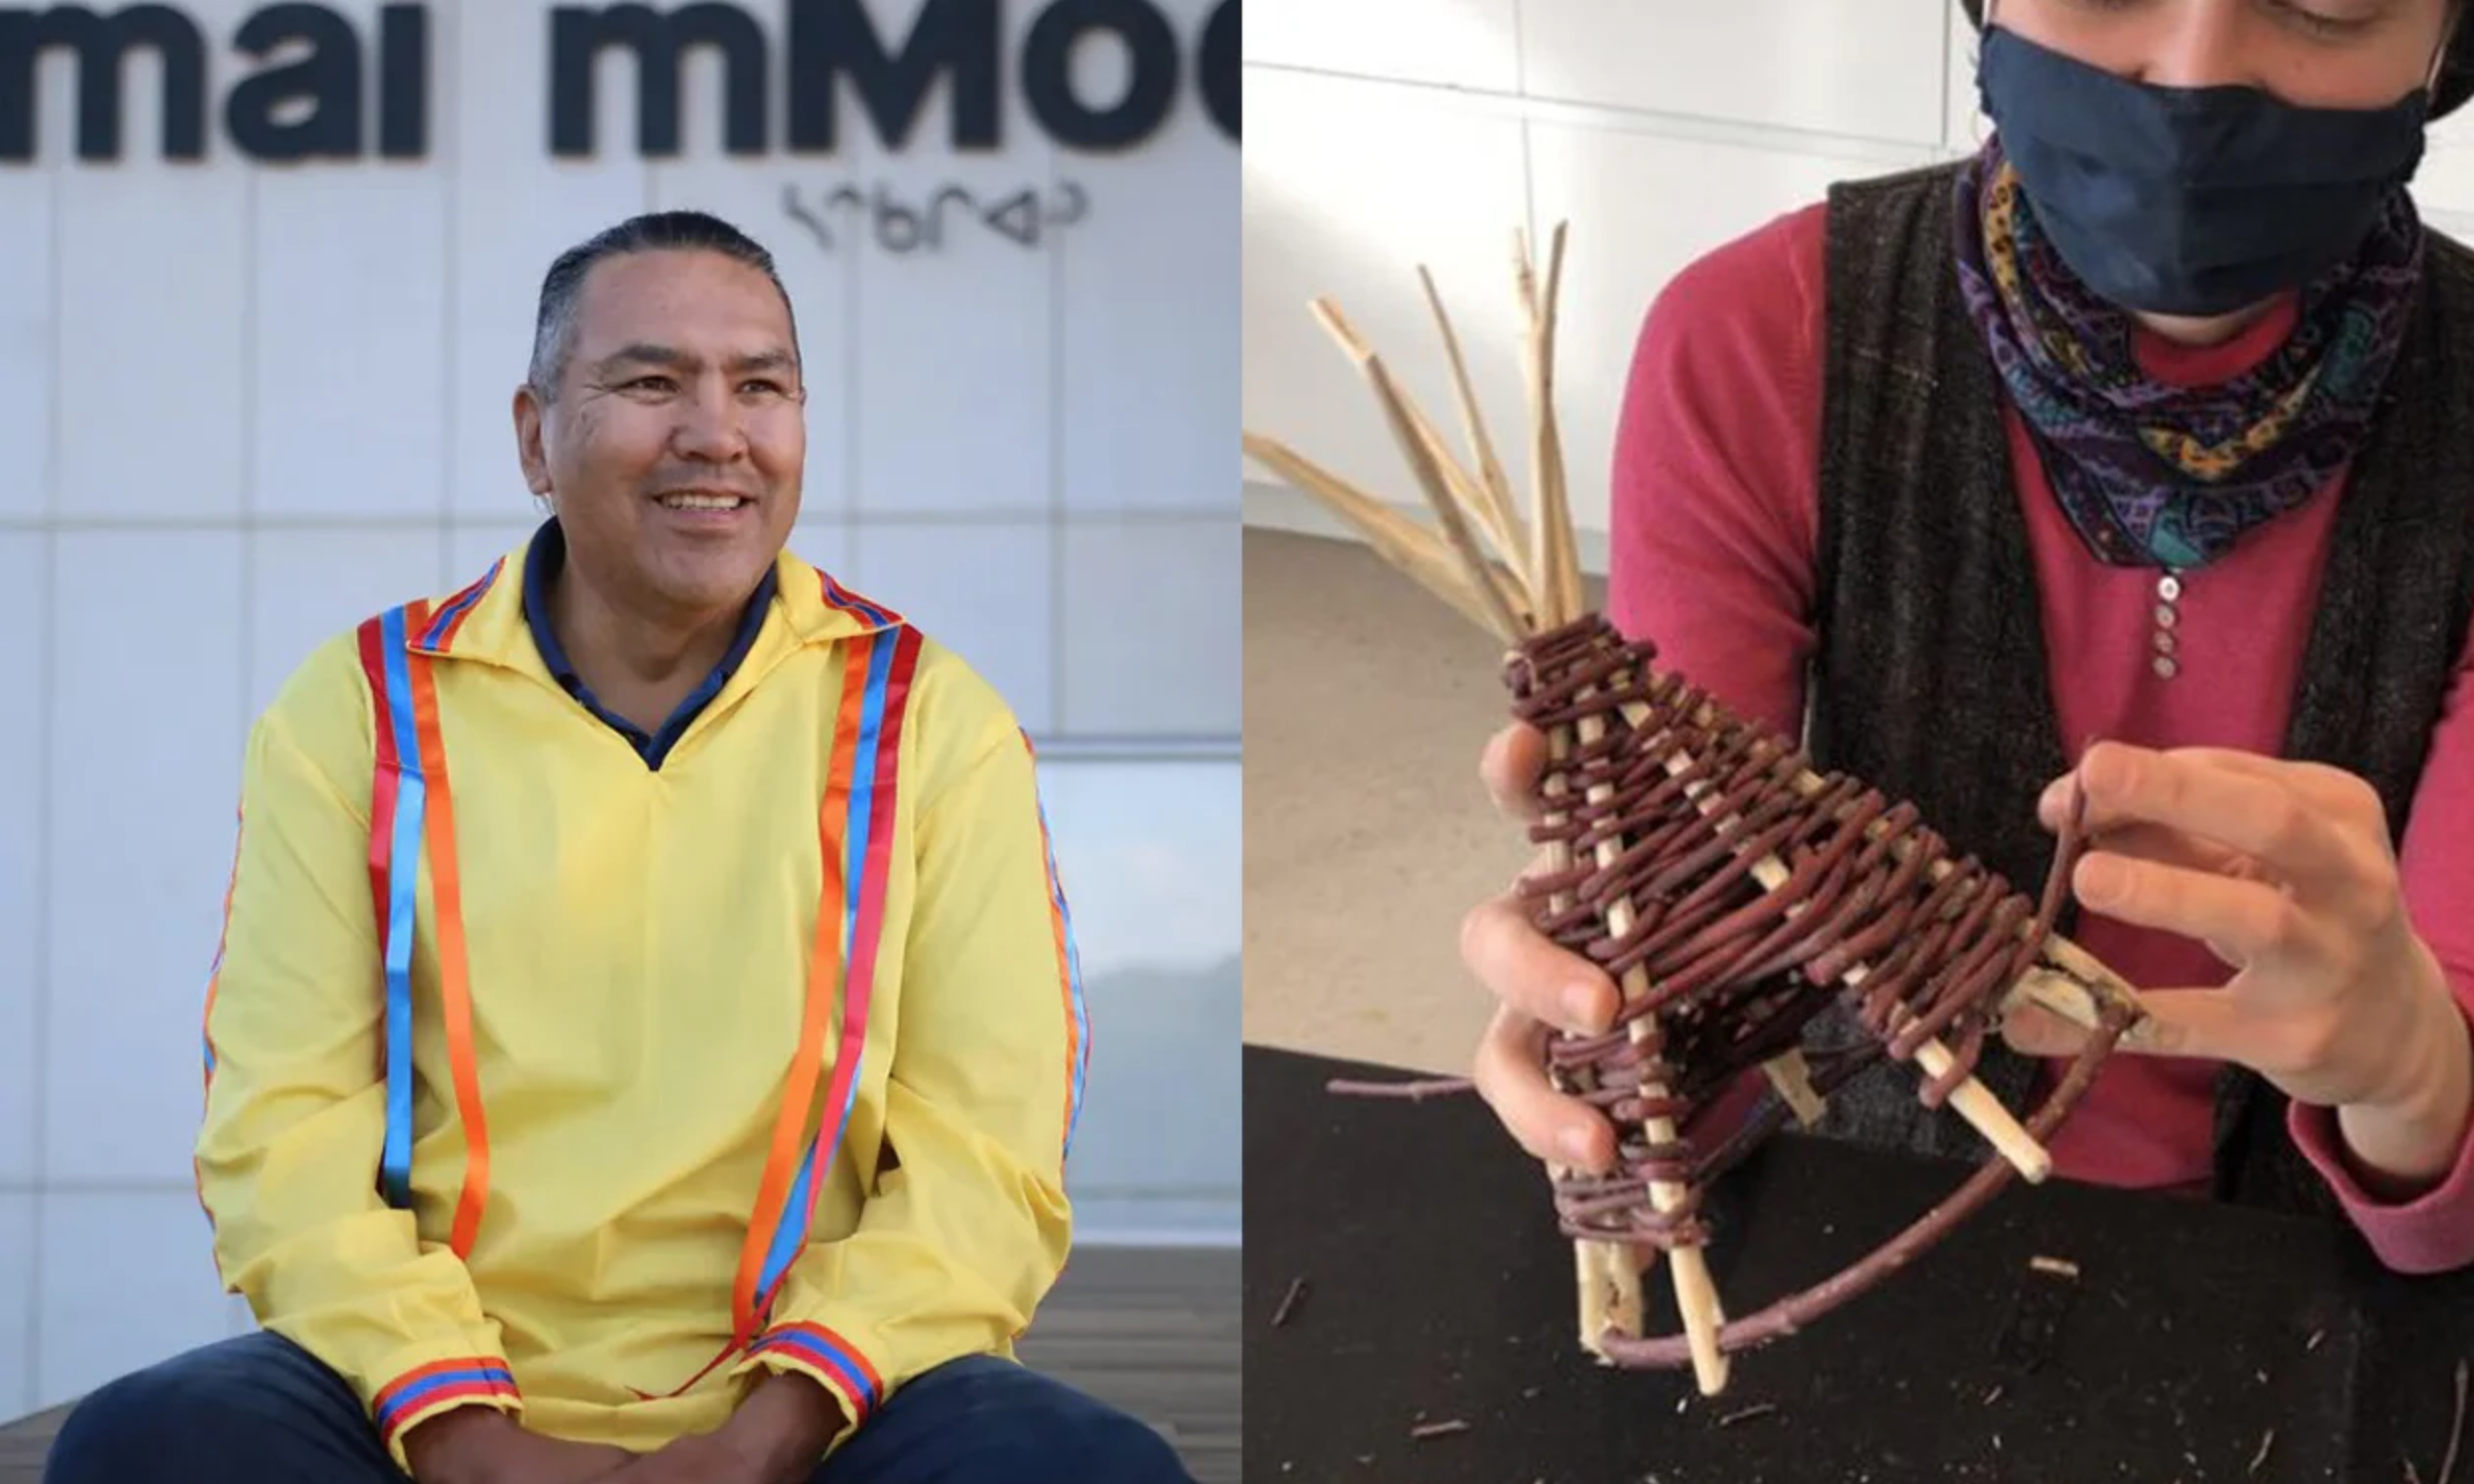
[{"x": 647, "y": 1035}]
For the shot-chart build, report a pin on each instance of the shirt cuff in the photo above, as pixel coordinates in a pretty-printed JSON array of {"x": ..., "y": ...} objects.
[
  {"x": 434, "y": 1388},
  {"x": 824, "y": 1357},
  {"x": 2433, "y": 1232}
]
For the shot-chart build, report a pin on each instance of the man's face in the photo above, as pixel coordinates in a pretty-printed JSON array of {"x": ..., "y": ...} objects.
[{"x": 673, "y": 450}]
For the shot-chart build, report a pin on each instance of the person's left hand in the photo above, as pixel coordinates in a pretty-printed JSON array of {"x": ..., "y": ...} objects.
[
  {"x": 777, "y": 1436},
  {"x": 699, "y": 1459},
  {"x": 2285, "y": 871}
]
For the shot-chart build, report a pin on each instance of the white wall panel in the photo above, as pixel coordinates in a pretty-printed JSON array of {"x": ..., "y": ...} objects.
[
  {"x": 951, "y": 409},
  {"x": 26, "y": 334},
  {"x": 1349, "y": 211},
  {"x": 1148, "y": 643},
  {"x": 147, "y": 715},
  {"x": 1626, "y": 242},
  {"x": 153, "y": 345},
  {"x": 1150, "y": 330},
  {"x": 349, "y": 288},
  {"x": 128, "y": 1280},
  {"x": 2445, "y": 181},
  {"x": 152, "y": 288},
  {"x": 349, "y": 389},
  {"x": 17, "y": 1256},
  {"x": 471, "y": 545},
  {"x": 305, "y": 587},
  {"x": 1963, "y": 123},
  {"x": 516, "y": 207},
  {"x": 1454, "y": 43},
  {"x": 23, "y": 626},
  {"x": 982, "y": 590},
  {"x": 1872, "y": 71},
  {"x": 824, "y": 541}
]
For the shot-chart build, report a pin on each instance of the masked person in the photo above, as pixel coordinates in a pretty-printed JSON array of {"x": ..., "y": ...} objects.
[{"x": 2146, "y": 422}]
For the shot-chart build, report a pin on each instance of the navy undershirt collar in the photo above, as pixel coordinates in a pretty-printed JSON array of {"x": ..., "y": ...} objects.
[{"x": 540, "y": 564}]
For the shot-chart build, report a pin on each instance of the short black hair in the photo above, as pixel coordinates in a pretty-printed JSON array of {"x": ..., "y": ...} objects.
[
  {"x": 553, "y": 325},
  {"x": 2456, "y": 69}
]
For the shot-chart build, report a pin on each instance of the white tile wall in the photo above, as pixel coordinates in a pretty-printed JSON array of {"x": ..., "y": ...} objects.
[
  {"x": 1149, "y": 645},
  {"x": 954, "y": 400},
  {"x": 1426, "y": 130},
  {"x": 982, "y": 590},
  {"x": 1349, "y": 210},
  {"x": 1150, "y": 353},
  {"x": 1816, "y": 65},
  {"x": 349, "y": 424},
  {"x": 514, "y": 207},
  {"x": 25, "y": 324},
  {"x": 128, "y": 1280},
  {"x": 17, "y": 1256},
  {"x": 1619, "y": 192},
  {"x": 153, "y": 381},
  {"x": 472, "y": 546},
  {"x": 147, "y": 732},
  {"x": 823, "y": 540},
  {"x": 1453, "y": 42},
  {"x": 245, "y": 407},
  {"x": 22, "y": 595},
  {"x": 306, "y": 587}
]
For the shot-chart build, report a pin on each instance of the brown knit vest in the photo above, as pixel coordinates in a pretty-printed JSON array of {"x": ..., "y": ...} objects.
[{"x": 1930, "y": 679}]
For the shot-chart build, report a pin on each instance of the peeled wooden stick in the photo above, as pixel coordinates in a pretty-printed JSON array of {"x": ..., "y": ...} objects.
[
  {"x": 1792, "y": 1077},
  {"x": 1554, "y": 555},
  {"x": 1400, "y": 540},
  {"x": 1697, "y": 1292},
  {"x": 1428, "y": 469},
  {"x": 1503, "y": 518},
  {"x": 1452, "y": 493},
  {"x": 1607, "y": 1275}
]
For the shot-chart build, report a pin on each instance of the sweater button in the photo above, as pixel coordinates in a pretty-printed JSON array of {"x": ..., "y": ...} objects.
[{"x": 2165, "y": 667}]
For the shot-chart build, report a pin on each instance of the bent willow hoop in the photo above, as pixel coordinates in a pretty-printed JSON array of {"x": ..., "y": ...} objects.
[{"x": 1735, "y": 895}]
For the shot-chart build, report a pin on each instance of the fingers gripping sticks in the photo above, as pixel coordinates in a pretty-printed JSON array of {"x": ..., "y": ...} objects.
[{"x": 1731, "y": 891}]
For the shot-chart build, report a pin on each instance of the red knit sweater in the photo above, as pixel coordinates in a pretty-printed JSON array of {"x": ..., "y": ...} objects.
[{"x": 1716, "y": 528}]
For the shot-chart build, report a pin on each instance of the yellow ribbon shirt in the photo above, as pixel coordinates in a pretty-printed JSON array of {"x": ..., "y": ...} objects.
[{"x": 540, "y": 1079}]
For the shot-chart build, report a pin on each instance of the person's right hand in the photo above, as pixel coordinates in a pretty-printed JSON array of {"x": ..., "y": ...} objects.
[
  {"x": 483, "y": 1445},
  {"x": 1541, "y": 987}
]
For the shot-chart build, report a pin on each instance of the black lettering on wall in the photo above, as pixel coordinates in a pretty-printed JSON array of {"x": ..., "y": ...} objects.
[
  {"x": 404, "y": 82},
  {"x": 904, "y": 229},
  {"x": 103, "y": 44},
  {"x": 834, "y": 39},
  {"x": 329, "y": 78},
  {"x": 1217, "y": 70},
  {"x": 578, "y": 34},
  {"x": 1150, "y": 88}
]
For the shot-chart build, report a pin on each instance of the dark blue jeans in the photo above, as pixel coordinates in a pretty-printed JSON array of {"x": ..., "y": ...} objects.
[{"x": 261, "y": 1410}]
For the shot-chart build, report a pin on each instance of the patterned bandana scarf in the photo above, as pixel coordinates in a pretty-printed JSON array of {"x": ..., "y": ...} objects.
[{"x": 2170, "y": 477}]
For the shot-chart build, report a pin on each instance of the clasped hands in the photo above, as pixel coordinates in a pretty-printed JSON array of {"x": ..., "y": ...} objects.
[
  {"x": 777, "y": 1436},
  {"x": 2284, "y": 870}
]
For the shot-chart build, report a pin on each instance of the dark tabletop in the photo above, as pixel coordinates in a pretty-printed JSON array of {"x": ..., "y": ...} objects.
[{"x": 1435, "y": 1289}]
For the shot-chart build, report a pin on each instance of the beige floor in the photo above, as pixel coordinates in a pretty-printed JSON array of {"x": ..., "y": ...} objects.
[{"x": 1367, "y": 833}]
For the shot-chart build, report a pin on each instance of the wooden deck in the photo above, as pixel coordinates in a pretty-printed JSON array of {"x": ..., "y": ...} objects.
[{"x": 1154, "y": 1331}]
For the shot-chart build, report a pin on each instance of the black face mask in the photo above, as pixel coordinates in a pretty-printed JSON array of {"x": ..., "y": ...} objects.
[{"x": 2190, "y": 200}]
